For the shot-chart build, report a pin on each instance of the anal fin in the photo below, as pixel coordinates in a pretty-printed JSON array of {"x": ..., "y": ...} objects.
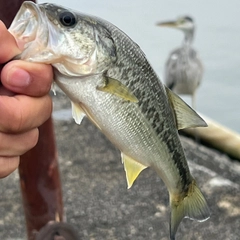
[{"x": 132, "y": 169}]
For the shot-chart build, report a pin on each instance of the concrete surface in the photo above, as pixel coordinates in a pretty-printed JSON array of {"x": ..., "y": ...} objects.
[{"x": 99, "y": 205}]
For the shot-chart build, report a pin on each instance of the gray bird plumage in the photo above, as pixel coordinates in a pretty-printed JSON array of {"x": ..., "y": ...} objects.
[{"x": 183, "y": 69}]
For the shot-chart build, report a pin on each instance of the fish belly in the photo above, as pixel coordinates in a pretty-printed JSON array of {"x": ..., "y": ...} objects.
[{"x": 126, "y": 127}]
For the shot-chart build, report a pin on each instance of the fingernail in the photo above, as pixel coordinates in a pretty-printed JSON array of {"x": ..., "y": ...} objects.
[{"x": 18, "y": 78}]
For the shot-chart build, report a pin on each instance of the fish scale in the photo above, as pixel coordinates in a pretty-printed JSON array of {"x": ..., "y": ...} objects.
[
  {"x": 109, "y": 79},
  {"x": 145, "y": 80},
  {"x": 145, "y": 84}
]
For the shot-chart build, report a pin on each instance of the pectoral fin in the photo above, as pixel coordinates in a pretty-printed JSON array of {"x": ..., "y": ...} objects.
[
  {"x": 77, "y": 113},
  {"x": 186, "y": 117},
  {"x": 132, "y": 169},
  {"x": 115, "y": 87}
]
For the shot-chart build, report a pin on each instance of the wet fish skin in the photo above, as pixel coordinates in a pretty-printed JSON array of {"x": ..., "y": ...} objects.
[{"x": 108, "y": 78}]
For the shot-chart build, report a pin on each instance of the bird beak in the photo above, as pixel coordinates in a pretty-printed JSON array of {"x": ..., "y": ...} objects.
[{"x": 172, "y": 24}]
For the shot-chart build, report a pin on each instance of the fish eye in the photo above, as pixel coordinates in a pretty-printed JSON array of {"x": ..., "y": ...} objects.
[{"x": 67, "y": 19}]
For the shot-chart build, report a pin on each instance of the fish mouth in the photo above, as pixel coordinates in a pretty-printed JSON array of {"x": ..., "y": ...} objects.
[
  {"x": 26, "y": 24},
  {"x": 35, "y": 36},
  {"x": 42, "y": 40}
]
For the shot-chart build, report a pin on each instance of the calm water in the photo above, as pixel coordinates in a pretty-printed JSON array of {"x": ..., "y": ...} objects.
[{"x": 217, "y": 40}]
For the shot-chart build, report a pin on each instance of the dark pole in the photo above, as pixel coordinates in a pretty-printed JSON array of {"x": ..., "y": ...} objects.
[
  {"x": 40, "y": 182},
  {"x": 38, "y": 170}
]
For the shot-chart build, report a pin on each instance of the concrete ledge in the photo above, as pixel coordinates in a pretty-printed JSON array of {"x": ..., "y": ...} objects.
[{"x": 99, "y": 205}]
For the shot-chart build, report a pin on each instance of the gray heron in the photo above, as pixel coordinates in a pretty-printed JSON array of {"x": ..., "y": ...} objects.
[{"x": 183, "y": 69}]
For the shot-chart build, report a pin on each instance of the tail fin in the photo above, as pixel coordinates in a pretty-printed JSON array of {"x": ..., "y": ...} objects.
[{"x": 192, "y": 206}]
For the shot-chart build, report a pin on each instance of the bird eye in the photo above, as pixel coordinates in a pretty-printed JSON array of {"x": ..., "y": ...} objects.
[
  {"x": 189, "y": 19},
  {"x": 67, "y": 19}
]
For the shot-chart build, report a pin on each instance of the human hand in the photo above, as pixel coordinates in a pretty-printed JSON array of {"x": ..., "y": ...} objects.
[{"x": 24, "y": 103}]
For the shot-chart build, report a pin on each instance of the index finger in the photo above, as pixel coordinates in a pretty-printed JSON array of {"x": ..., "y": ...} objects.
[
  {"x": 21, "y": 113},
  {"x": 37, "y": 84},
  {"x": 9, "y": 48}
]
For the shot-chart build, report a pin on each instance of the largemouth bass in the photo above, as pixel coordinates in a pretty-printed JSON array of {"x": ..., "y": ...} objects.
[{"x": 108, "y": 79}]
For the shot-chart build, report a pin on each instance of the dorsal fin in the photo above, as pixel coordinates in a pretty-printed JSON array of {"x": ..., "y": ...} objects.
[{"x": 185, "y": 116}]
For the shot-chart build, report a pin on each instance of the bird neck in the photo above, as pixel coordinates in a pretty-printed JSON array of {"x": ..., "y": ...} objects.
[{"x": 188, "y": 38}]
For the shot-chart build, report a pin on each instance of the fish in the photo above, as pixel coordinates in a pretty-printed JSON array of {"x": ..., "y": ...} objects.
[{"x": 108, "y": 78}]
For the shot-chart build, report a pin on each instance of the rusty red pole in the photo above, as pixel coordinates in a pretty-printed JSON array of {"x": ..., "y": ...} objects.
[
  {"x": 38, "y": 170},
  {"x": 40, "y": 182}
]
